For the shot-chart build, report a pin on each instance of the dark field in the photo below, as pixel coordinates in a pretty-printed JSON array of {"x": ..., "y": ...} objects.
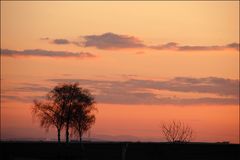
[{"x": 118, "y": 151}]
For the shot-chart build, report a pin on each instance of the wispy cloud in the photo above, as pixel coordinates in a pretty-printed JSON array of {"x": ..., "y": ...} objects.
[
  {"x": 44, "y": 38},
  {"x": 29, "y": 88},
  {"x": 61, "y": 41},
  {"x": 211, "y": 91},
  {"x": 110, "y": 40},
  {"x": 233, "y": 46},
  {"x": 126, "y": 92},
  {"x": 215, "y": 85},
  {"x": 176, "y": 47},
  {"x": 44, "y": 53},
  {"x": 23, "y": 99},
  {"x": 104, "y": 41}
]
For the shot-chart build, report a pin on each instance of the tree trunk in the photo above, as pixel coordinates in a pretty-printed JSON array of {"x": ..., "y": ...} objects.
[
  {"x": 59, "y": 135},
  {"x": 67, "y": 125},
  {"x": 80, "y": 138},
  {"x": 80, "y": 135},
  {"x": 67, "y": 133}
]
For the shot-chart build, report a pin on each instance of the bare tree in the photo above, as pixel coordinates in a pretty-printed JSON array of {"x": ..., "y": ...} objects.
[
  {"x": 177, "y": 132},
  {"x": 83, "y": 118},
  {"x": 82, "y": 123},
  {"x": 49, "y": 115}
]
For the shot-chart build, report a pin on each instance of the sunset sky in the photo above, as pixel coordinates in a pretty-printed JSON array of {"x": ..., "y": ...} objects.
[{"x": 146, "y": 63}]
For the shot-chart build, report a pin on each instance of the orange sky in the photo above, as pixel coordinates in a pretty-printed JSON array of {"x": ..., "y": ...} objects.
[
  {"x": 210, "y": 124},
  {"x": 146, "y": 63}
]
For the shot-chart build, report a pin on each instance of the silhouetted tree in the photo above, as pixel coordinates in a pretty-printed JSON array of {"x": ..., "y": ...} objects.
[
  {"x": 49, "y": 114},
  {"x": 72, "y": 98},
  {"x": 177, "y": 132},
  {"x": 64, "y": 105},
  {"x": 83, "y": 119}
]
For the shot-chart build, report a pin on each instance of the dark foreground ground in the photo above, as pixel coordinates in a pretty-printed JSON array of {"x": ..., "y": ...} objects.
[{"x": 118, "y": 151}]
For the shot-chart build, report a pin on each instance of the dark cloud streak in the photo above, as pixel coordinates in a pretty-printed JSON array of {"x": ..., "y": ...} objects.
[
  {"x": 44, "y": 53},
  {"x": 61, "y": 41},
  {"x": 110, "y": 40},
  {"x": 176, "y": 47}
]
